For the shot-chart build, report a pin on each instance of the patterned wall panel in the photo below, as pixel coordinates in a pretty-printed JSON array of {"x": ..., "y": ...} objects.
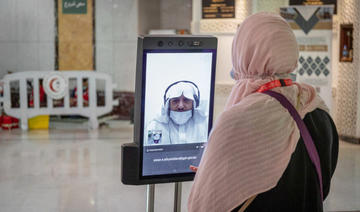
[
  {"x": 242, "y": 9},
  {"x": 318, "y": 66},
  {"x": 347, "y": 94},
  {"x": 269, "y": 6},
  {"x": 219, "y": 26}
]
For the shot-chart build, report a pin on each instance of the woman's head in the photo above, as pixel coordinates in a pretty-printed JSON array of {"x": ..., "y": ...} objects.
[{"x": 263, "y": 46}]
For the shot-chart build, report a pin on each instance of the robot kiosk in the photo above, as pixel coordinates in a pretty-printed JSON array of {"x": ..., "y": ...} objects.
[{"x": 175, "y": 78}]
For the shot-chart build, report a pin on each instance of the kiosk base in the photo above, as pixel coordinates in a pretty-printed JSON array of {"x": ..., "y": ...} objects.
[{"x": 130, "y": 154}]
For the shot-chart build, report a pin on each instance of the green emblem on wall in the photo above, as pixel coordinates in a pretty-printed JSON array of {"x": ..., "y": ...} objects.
[{"x": 74, "y": 6}]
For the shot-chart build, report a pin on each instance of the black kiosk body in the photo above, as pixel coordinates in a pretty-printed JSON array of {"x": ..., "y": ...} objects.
[{"x": 168, "y": 137}]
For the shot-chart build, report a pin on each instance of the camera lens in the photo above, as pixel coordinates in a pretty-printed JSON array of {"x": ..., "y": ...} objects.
[
  {"x": 181, "y": 43},
  {"x": 160, "y": 43}
]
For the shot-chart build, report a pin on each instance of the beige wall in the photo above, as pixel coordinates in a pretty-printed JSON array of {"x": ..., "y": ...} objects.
[
  {"x": 75, "y": 39},
  {"x": 164, "y": 14},
  {"x": 149, "y": 15},
  {"x": 175, "y": 14}
]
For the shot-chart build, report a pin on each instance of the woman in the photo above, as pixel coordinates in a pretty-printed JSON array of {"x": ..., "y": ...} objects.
[{"x": 255, "y": 151}]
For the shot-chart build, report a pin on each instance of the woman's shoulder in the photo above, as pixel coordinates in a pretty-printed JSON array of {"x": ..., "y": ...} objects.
[
  {"x": 256, "y": 103},
  {"x": 319, "y": 119}
]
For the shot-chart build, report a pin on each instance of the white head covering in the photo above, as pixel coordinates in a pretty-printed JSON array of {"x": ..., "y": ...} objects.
[{"x": 181, "y": 88}]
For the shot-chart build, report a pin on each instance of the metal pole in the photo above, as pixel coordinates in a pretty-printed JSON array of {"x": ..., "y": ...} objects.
[
  {"x": 150, "y": 191},
  {"x": 177, "y": 197}
]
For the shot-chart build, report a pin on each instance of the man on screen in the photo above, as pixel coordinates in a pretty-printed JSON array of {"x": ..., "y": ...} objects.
[{"x": 181, "y": 121}]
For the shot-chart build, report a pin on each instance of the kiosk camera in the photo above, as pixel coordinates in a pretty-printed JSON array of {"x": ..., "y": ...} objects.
[{"x": 174, "y": 99}]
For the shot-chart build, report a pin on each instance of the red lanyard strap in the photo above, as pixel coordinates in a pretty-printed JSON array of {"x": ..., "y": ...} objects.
[{"x": 274, "y": 84}]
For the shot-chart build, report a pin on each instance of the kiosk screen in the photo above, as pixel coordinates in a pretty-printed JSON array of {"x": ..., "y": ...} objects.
[{"x": 177, "y": 109}]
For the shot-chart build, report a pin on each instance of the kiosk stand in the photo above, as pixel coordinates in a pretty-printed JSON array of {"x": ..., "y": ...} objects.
[
  {"x": 177, "y": 197},
  {"x": 150, "y": 197},
  {"x": 174, "y": 98}
]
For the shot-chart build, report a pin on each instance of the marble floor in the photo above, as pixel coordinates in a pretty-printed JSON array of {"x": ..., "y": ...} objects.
[{"x": 77, "y": 170}]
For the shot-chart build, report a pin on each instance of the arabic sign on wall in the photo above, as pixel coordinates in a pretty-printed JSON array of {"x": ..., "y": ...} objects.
[
  {"x": 314, "y": 2},
  {"x": 218, "y": 9},
  {"x": 312, "y": 26},
  {"x": 74, "y": 6}
]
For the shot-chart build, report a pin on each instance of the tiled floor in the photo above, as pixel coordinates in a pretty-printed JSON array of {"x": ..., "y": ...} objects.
[
  {"x": 345, "y": 191},
  {"x": 79, "y": 171}
]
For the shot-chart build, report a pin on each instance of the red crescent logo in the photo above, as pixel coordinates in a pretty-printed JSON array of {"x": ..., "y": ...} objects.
[{"x": 51, "y": 85}]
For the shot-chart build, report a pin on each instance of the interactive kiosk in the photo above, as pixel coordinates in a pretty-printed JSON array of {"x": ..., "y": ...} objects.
[{"x": 173, "y": 114}]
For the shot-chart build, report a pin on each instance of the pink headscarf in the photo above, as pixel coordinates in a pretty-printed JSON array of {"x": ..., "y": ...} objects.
[{"x": 252, "y": 141}]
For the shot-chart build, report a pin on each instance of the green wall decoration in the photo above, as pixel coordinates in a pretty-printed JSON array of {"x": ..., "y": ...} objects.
[{"x": 74, "y": 6}]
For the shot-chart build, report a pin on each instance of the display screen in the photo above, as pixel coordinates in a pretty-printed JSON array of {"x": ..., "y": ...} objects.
[{"x": 177, "y": 105}]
